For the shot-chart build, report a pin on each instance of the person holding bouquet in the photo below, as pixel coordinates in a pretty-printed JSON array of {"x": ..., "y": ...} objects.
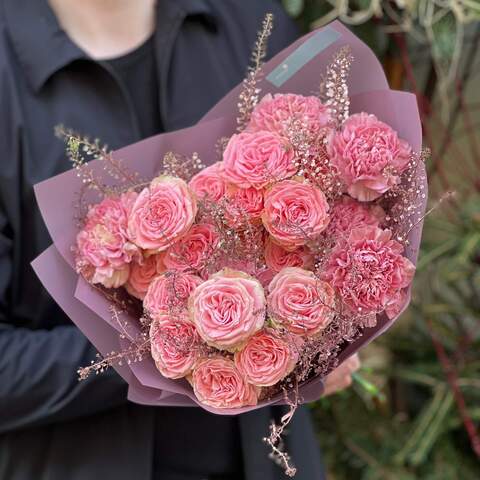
[{"x": 125, "y": 70}]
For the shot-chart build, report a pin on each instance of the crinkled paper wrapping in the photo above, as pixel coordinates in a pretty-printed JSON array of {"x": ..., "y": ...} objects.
[{"x": 89, "y": 309}]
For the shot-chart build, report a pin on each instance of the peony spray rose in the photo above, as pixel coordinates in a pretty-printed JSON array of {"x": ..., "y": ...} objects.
[
  {"x": 257, "y": 159},
  {"x": 209, "y": 183},
  {"x": 300, "y": 302},
  {"x": 174, "y": 345},
  {"x": 169, "y": 293},
  {"x": 228, "y": 308},
  {"x": 162, "y": 214},
  {"x": 142, "y": 273},
  {"x": 217, "y": 382},
  {"x": 267, "y": 358},
  {"x": 275, "y": 112},
  {"x": 295, "y": 212}
]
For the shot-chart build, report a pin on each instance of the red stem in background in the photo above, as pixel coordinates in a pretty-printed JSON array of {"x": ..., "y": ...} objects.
[
  {"x": 452, "y": 378},
  {"x": 425, "y": 109},
  {"x": 469, "y": 128}
]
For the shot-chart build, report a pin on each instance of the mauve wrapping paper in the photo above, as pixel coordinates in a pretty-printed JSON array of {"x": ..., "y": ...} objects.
[{"x": 88, "y": 308}]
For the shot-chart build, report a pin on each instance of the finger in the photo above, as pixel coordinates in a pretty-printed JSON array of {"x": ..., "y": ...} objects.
[
  {"x": 342, "y": 369},
  {"x": 335, "y": 379},
  {"x": 346, "y": 382},
  {"x": 340, "y": 384},
  {"x": 354, "y": 363},
  {"x": 338, "y": 378},
  {"x": 341, "y": 377}
]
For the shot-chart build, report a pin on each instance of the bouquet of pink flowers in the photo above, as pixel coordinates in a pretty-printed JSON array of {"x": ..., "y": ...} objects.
[{"x": 244, "y": 280}]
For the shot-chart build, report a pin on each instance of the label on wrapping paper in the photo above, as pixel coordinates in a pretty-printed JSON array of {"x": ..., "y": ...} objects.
[{"x": 302, "y": 55}]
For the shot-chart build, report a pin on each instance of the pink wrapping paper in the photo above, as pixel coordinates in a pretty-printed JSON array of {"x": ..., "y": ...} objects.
[{"x": 88, "y": 308}]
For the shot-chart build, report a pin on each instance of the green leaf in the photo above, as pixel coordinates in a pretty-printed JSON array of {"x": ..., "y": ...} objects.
[
  {"x": 444, "y": 36},
  {"x": 468, "y": 247},
  {"x": 368, "y": 387},
  {"x": 434, "y": 431},
  {"x": 430, "y": 256},
  {"x": 293, "y": 7},
  {"x": 424, "y": 420}
]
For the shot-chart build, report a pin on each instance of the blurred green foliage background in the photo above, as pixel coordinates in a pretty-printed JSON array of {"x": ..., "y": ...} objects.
[{"x": 414, "y": 411}]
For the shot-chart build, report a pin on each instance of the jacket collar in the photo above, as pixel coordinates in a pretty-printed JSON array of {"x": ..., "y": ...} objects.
[{"x": 43, "y": 48}]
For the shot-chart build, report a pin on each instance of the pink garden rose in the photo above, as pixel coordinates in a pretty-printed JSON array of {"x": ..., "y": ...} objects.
[
  {"x": 228, "y": 308},
  {"x": 162, "y": 214},
  {"x": 243, "y": 205},
  {"x": 174, "y": 345},
  {"x": 209, "y": 183},
  {"x": 277, "y": 258},
  {"x": 294, "y": 213},
  {"x": 104, "y": 249},
  {"x": 348, "y": 213},
  {"x": 168, "y": 293},
  {"x": 217, "y": 382},
  {"x": 300, "y": 302},
  {"x": 257, "y": 159},
  {"x": 266, "y": 359},
  {"x": 369, "y": 156},
  {"x": 142, "y": 273},
  {"x": 367, "y": 270},
  {"x": 273, "y": 113},
  {"x": 193, "y": 250}
]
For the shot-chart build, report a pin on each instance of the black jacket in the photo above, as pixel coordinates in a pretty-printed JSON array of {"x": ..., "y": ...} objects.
[{"x": 51, "y": 426}]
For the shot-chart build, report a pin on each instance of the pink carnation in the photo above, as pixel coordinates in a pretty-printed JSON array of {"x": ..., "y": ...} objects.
[
  {"x": 209, "y": 183},
  {"x": 277, "y": 258},
  {"x": 174, "y": 345},
  {"x": 367, "y": 270},
  {"x": 266, "y": 359},
  {"x": 369, "y": 156},
  {"x": 294, "y": 213},
  {"x": 300, "y": 302},
  {"x": 162, "y": 213},
  {"x": 395, "y": 307},
  {"x": 168, "y": 293},
  {"x": 243, "y": 205},
  {"x": 228, "y": 308},
  {"x": 194, "y": 249},
  {"x": 348, "y": 213},
  {"x": 110, "y": 277},
  {"x": 104, "y": 249},
  {"x": 142, "y": 273},
  {"x": 274, "y": 112},
  {"x": 217, "y": 382},
  {"x": 257, "y": 159}
]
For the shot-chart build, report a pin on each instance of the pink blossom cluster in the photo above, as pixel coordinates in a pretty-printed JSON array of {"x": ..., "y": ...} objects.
[{"x": 237, "y": 330}]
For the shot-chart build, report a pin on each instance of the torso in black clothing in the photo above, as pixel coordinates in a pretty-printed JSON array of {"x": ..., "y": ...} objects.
[
  {"x": 138, "y": 73},
  {"x": 87, "y": 430}
]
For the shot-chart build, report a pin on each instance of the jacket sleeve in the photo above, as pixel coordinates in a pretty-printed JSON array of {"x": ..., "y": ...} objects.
[{"x": 38, "y": 368}]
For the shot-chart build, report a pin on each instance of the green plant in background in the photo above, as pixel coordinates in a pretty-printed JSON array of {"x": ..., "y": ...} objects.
[
  {"x": 414, "y": 409},
  {"x": 423, "y": 425},
  {"x": 440, "y": 24}
]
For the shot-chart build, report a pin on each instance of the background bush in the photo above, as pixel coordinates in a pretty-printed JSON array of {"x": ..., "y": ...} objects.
[{"x": 414, "y": 411}]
